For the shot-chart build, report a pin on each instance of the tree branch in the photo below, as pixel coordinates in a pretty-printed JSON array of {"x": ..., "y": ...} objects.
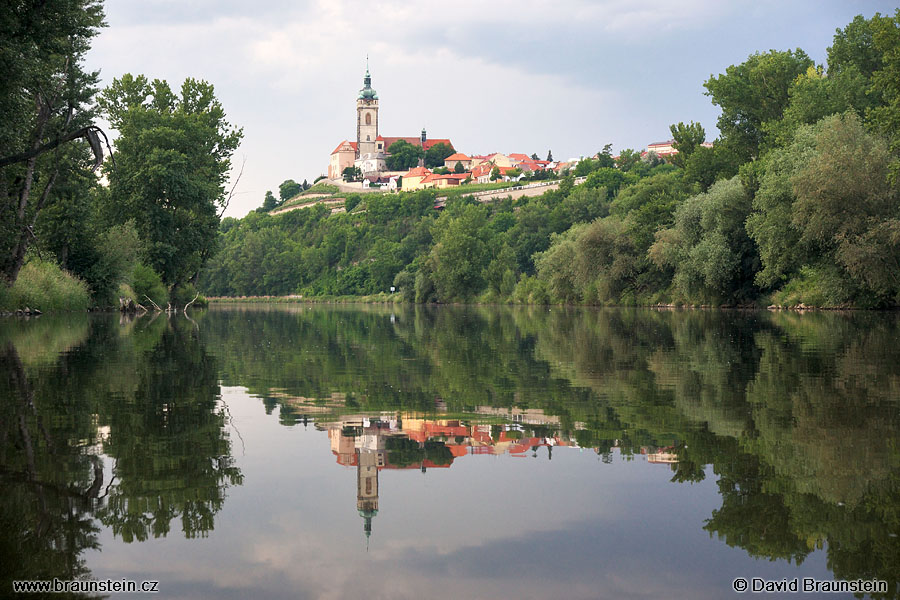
[{"x": 89, "y": 133}]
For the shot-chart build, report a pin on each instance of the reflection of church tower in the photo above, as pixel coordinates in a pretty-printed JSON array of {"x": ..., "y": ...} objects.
[
  {"x": 367, "y": 463},
  {"x": 366, "y": 116}
]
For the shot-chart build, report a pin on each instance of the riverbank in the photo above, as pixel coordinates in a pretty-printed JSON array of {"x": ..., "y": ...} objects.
[{"x": 386, "y": 298}]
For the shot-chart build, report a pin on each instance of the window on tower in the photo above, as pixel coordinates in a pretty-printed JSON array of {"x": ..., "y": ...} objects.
[{"x": 368, "y": 118}]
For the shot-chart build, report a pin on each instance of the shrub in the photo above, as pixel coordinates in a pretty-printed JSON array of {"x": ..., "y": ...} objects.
[
  {"x": 147, "y": 283},
  {"x": 46, "y": 287}
]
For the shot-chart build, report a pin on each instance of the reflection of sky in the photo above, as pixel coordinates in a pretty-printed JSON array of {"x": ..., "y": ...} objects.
[{"x": 489, "y": 526}]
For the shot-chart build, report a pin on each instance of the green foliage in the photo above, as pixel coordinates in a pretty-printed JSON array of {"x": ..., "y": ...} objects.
[
  {"x": 495, "y": 174},
  {"x": 459, "y": 169},
  {"x": 885, "y": 116},
  {"x": 752, "y": 93},
  {"x": 628, "y": 158},
  {"x": 288, "y": 189},
  {"x": 173, "y": 157},
  {"x": 45, "y": 96},
  {"x": 708, "y": 249},
  {"x": 269, "y": 203},
  {"x": 705, "y": 166},
  {"x": 687, "y": 139},
  {"x": 586, "y": 166},
  {"x": 147, "y": 283},
  {"x": 403, "y": 156},
  {"x": 352, "y": 174},
  {"x": 460, "y": 253},
  {"x": 826, "y": 202},
  {"x": 44, "y": 286},
  {"x": 434, "y": 156},
  {"x": 605, "y": 157}
]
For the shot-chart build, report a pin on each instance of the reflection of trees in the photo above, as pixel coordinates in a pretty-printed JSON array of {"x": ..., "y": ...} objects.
[
  {"x": 797, "y": 414},
  {"x": 48, "y": 485},
  {"x": 167, "y": 438},
  {"x": 65, "y": 385}
]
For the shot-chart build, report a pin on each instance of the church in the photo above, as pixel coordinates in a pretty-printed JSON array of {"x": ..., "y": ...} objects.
[{"x": 369, "y": 151}]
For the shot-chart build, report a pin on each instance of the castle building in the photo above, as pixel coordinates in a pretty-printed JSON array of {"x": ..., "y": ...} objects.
[{"x": 369, "y": 151}]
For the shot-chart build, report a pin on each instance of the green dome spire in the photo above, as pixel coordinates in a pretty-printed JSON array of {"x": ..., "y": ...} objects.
[{"x": 367, "y": 93}]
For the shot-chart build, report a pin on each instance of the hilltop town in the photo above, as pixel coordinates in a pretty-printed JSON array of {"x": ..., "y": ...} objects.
[{"x": 386, "y": 163}]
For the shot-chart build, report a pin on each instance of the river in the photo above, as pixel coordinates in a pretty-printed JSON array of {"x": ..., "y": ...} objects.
[{"x": 311, "y": 451}]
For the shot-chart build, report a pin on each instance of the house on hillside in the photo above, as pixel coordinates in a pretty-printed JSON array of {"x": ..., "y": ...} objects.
[
  {"x": 412, "y": 180},
  {"x": 458, "y": 159},
  {"x": 341, "y": 157}
]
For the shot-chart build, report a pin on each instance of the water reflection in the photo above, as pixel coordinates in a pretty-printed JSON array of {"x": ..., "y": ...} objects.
[
  {"x": 119, "y": 426},
  {"x": 797, "y": 414},
  {"x": 105, "y": 424}
]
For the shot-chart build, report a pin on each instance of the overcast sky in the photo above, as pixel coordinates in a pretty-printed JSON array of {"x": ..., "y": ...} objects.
[{"x": 525, "y": 76}]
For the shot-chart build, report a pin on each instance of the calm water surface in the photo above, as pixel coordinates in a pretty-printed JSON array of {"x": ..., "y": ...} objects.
[{"x": 338, "y": 452}]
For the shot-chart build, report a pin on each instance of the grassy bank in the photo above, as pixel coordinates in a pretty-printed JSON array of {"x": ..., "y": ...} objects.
[{"x": 44, "y": 286}]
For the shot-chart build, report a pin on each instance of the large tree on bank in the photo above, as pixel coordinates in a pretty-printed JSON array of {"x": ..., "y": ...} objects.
[
  {"x": 45, "y": 102},
  {"x": 173, "y": 156}
]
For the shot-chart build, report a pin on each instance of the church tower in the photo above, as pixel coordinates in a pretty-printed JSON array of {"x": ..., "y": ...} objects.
[{"x": 366, "y": 116}]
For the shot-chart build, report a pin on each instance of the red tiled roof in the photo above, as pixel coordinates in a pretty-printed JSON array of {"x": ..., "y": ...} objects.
[
  {"x": 457, "y": 156},
  {"x": 352, "y": 144},
  {"x": 418, "y": 172},
  {"x": 415, "y": 141},
  {"x": 520, "y": 157}
]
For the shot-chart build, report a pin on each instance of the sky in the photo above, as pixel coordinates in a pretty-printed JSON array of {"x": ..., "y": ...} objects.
[{"x": 527, "y": 76}]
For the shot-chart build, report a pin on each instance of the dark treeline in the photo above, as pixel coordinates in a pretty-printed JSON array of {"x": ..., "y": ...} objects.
[{"x": 796, "y": 202}]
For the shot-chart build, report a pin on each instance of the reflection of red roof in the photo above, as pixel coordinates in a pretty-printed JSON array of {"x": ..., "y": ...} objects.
[
  {"x": 339, "y": 146},
  {"x": 412, "y": 140}
]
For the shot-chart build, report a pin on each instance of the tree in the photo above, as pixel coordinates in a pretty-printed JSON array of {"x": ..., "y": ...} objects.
[
  {"x": 460, "y": 253},
  {"x": 825, "y": 213},
  {"x": 288, "y": 189},
  {"x": 687, "y": 139},
  {"x": 403, "y": 156},
  {"x": 173, "y": 158},
  {"x": 269, "y": 203},
  {"x": 628, "y": 158},
  {"x": 352, "y": 174},
  {"x": 45, "y": 102},
  {"x": 459, "y": 169},
  {"x": 434, "y": 156},
  {"x": 708, "y": 248},
  {"x": 752, "y": 93},
  {"x": 495, "y": 174},
  {"x": 550, "y": 155},
  {"x": 587, "y": 166},
  {"x": 886, "y": 118},
  {"x": 604, "y": 157},
  {"x": 705, "y": 165},
  {"x": 534, "y": 156}
]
